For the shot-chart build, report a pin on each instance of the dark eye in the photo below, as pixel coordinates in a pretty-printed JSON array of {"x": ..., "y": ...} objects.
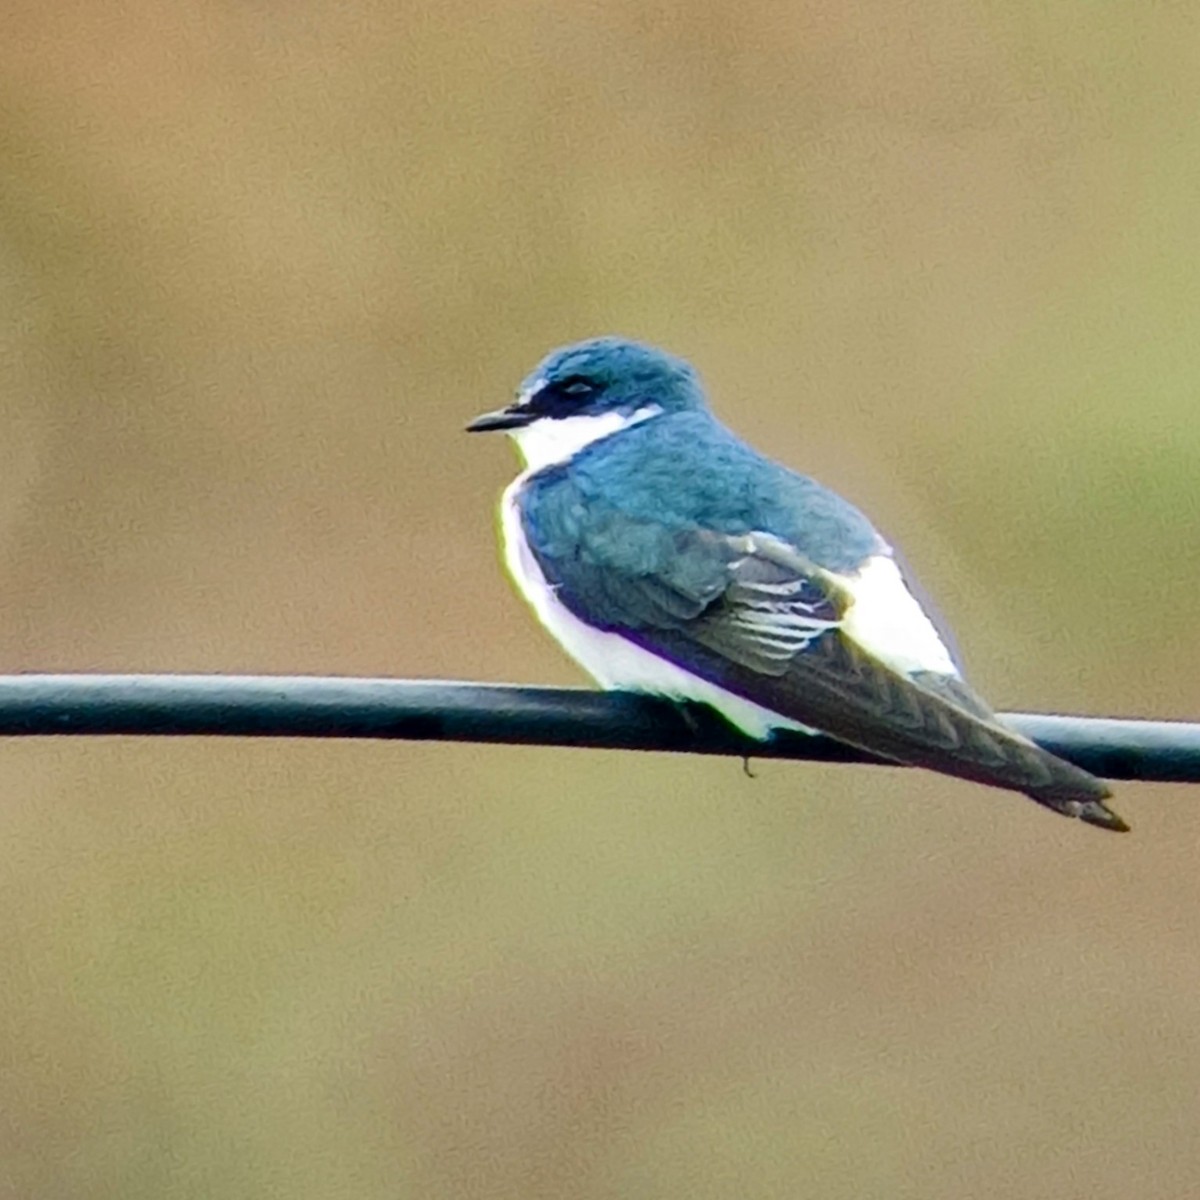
[{"x": 578, "y": 387}]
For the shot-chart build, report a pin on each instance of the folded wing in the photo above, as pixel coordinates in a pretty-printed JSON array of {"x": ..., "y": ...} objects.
[{"x": 752, "y": 614}]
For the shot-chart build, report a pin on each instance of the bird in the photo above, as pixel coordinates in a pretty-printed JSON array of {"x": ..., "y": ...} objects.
[{"x": 667, "y": 556}]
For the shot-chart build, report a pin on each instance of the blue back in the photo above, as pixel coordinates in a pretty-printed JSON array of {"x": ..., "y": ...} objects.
[{"x": 682, "y": 471}]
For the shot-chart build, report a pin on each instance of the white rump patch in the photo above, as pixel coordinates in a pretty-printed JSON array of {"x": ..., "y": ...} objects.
[{"x": 886, "y": 620}]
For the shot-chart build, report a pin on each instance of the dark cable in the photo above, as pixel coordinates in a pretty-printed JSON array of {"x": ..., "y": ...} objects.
[{"x": 431, "y": 710}]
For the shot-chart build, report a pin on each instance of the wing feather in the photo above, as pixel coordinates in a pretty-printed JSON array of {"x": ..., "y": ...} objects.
[{"x": 752, "y": 614}]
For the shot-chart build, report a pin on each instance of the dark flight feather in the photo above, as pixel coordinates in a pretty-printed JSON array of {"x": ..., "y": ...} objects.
[{"x": 752, "y": 614}]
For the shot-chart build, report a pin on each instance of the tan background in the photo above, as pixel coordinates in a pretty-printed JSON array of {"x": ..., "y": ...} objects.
[{"x": 258, "y": 264}]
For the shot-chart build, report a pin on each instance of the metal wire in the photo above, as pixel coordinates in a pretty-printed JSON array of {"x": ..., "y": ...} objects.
[{"x": 434, "y": 710}]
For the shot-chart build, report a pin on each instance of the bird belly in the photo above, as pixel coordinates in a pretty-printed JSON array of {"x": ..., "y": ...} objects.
[{"x": 615, "y": 662}]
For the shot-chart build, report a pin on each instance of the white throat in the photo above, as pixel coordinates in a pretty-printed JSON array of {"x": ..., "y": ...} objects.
[{"x": 549, "y": 441}]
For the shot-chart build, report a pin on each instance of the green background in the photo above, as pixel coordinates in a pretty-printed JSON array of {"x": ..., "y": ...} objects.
[{"x": 258, "y": 265}]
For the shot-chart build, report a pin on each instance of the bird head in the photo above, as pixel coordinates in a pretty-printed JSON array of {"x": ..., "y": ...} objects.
[{"x": 589, "y": 390}]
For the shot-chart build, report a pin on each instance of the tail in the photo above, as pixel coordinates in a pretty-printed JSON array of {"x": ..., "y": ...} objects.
[
  {"x": 975, "y": 744},
  {"x": 925, "y": 720},
  {"x": 985, "y": 750},
  {"x": 1075, "y": 793},
  {"x": 1067, "y": 789}
]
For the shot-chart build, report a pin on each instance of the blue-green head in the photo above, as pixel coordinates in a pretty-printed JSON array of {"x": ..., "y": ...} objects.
[{"x": 609, "y": 377}]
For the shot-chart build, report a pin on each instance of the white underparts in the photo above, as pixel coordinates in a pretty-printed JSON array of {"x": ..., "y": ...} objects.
[
  {"x": 884, "y": 619},
  {"x": 612, "y": 660}
]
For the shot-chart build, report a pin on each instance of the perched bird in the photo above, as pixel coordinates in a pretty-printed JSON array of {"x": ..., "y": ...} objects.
[{"x": 668, "y": 556}]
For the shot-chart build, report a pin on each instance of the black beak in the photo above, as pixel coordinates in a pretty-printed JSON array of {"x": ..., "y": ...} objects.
[{"x": 502, "y": 418}]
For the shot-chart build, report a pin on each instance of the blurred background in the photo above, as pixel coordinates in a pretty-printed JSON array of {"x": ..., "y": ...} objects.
[{"x": 258, "y": 265}]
